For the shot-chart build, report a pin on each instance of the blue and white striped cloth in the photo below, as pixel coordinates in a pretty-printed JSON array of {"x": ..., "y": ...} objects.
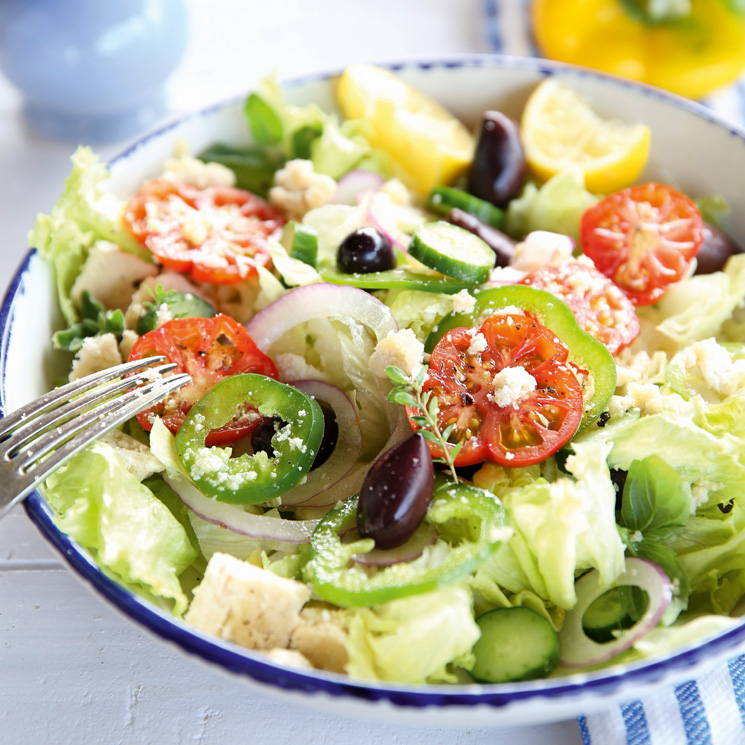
[{"x": 710, "y": 710}]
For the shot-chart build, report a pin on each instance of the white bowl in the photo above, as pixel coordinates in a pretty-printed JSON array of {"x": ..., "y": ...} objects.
[{"x": 691, "y": 149}]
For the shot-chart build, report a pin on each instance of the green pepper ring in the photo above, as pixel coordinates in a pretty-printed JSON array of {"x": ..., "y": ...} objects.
[{"x": 251, "y": 479}]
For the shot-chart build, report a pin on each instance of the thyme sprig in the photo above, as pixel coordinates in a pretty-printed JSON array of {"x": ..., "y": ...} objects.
[{"x": 408, "y": 391}]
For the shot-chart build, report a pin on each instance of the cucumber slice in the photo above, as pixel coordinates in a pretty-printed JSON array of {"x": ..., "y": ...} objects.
[
  {"x": 515, "y": 644},
  {"x": 614, "y": 611},
  {"x": 301, "y": 242},
  {"x": 453, "y": 251},
  {"x": 442, "y": 199}
]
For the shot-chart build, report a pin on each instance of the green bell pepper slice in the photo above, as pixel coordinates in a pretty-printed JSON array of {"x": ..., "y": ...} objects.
[
  {"x": 400, "y": 277},
  {"x": 250, "y": 478},
  {"x": 585, "y": 351},
  {"x": 471, "y": 521}
]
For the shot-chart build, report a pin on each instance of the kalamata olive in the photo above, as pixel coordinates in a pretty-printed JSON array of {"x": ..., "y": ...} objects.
[
  {"x": 499, "y": 167},
  {"x": 365, "y": 251},
  {"x": 396, "y": 493},
  {"x": 618, "y": 477},
  {"x": 715, "y": 250},
  {"x": 261, "y": 437},
  {"x": 330, "y": 435},
  {"x": 502, "y": 245}
]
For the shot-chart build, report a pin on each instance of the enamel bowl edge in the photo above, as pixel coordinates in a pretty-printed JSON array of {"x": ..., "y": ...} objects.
[{"x": 691, "y": 149}]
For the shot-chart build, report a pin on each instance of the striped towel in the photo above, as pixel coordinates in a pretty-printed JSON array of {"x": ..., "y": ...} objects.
[{"x": 710, "y": 710}]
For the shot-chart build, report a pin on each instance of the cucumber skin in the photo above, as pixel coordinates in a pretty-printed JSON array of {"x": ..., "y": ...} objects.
[
  {"x": 450, "y": 265},
  {"x": 505, "y": 630}
]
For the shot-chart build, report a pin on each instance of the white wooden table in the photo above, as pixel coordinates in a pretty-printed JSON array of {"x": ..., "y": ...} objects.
[{"x": 71, "y": 669}]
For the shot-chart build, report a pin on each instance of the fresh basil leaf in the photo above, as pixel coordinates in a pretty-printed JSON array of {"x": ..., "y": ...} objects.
[
  {"x": 669, "y": 562},
  {"x": 303, "y": 138},
  {"x": 266, "y": 126},
  {"x": 655, "y": 500},
  {"x": 254, "y": 167}
]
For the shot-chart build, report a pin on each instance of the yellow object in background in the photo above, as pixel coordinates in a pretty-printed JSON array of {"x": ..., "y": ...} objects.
[
  {"x": 691, "y": 55},
  {"x": 559, "y": 131},
  {"x": 426, "y": 143}
]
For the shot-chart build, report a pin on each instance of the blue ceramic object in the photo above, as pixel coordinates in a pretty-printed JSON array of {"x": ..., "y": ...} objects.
[{"x": 91, "y": 71}]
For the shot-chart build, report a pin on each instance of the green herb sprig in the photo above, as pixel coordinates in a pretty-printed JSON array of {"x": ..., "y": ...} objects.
[{"x": 408, "y": 391}]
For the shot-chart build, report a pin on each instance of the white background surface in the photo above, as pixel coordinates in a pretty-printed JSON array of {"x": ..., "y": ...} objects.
[{"x": 71, "y": 669}]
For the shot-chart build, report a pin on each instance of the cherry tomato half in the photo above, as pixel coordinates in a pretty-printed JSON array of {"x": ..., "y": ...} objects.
[
  {"x": 644, "y": 238},
  {"x": 599, "y": 305},
  {"x": 507, "y": 389},
  {"x": 209, "y": 349},
  {"x": 217, "y": 234}
]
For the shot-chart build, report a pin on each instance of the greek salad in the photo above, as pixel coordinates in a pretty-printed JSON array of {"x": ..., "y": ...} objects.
[{"x": 464, "y": 406}]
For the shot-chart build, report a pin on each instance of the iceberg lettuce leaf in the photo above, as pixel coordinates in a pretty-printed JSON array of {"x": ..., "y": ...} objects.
[
  {"x": 414, "y": 639},
  {"x": 83, "y": 214},
  {"x": 102, "y": 506}
]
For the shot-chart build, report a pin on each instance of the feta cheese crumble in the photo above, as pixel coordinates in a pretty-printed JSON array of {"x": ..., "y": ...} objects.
[{"x": 510, "y": 386}]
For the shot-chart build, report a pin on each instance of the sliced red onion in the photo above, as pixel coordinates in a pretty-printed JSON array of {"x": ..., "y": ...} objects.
[
  {"x": 234, "y": 518},
  {"x": 348, "y": 445},
  {"x": 320, "y": 300},
  {"x": 353, "y": 185},
  {"x": 425, "y": 535},
  {"x": 577, "y": 649}
]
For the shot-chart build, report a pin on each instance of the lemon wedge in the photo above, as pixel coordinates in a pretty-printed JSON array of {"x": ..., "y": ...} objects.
[
  {"x": 559, "y": 131},
  {"x": 427, "y": 145}
]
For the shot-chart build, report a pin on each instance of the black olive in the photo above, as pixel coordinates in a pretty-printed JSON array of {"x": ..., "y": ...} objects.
[
  {"x": 618, "y": 477},
  {"x": 261, "y": 437},
  {"x": 330, "y": 435},
  {"x": 499, "y": 167},
  {"x": 502, "y": 245},
  {"x": 715, "y": 250},
  {"x": 396, "y": 493},
  {"x": 365, "y": 251}
]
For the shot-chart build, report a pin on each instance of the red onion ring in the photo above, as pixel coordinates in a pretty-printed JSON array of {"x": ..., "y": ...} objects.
[
  {"x": 346, "y": 452},
  {"x": 577, "y": 649},
  {"x": 425, "y": 535},
  {"x": 320, "y": 300},
  {"x": 229, "y": 516},
  {"x": 351, "y": 186}
]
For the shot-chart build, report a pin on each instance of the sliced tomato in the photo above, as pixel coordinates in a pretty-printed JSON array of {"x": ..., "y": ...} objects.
[
  {"x": 208, "y": 349},
  {"x": 644, "y": 238},
  {"x": 507, "y": 389},
  {"x": 218, "y": 234},
  {"x": 600, "y": 306}
]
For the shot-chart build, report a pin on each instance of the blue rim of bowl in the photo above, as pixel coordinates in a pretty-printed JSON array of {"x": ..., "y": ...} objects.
[{"x": 244, "y": 663}]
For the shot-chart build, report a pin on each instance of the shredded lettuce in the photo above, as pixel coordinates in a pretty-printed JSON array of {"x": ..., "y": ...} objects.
[
  {"x": 83, "y": 214},
  {"x": 414, "y": 639},
  {"x": 561, "y": 528},
  {"x": 557, "y": 206},
  {"x": 102, "y": 506}
]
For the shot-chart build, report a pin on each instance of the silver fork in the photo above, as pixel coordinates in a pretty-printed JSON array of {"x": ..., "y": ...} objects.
[{"x": 39, "y": 437}]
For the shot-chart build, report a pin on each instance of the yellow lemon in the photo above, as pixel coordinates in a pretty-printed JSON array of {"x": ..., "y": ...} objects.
[
  {"x": 426, "y": 143},
  {"x": 559, "y": 130}
]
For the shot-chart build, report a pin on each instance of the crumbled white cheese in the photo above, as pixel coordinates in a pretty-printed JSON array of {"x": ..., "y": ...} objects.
[
  {"x": 712, "y": 363},
  {"x": 292, "y": 367},
  {"x": 244, "y": 604},
  {"x": 700, "y": 491},
  {"x": 111, "y": 275},
  {"x": 646, "y": 397},
  {"x": 189, "y": 170},
  {"x": 289, "y": 658},
  {"x": 137, "y": 458},
  {"x": 97, "y": 353},
  {"x": 463, "y": 302},
  {"x": 399, "y": 348},
  {"x": 541, "y": 248},
  {"x": 639, "y": 367},
  {"x": 510, "y": 386},
  {"x": 298, "y": 189},
  {"x": 478, "y": 344}
]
